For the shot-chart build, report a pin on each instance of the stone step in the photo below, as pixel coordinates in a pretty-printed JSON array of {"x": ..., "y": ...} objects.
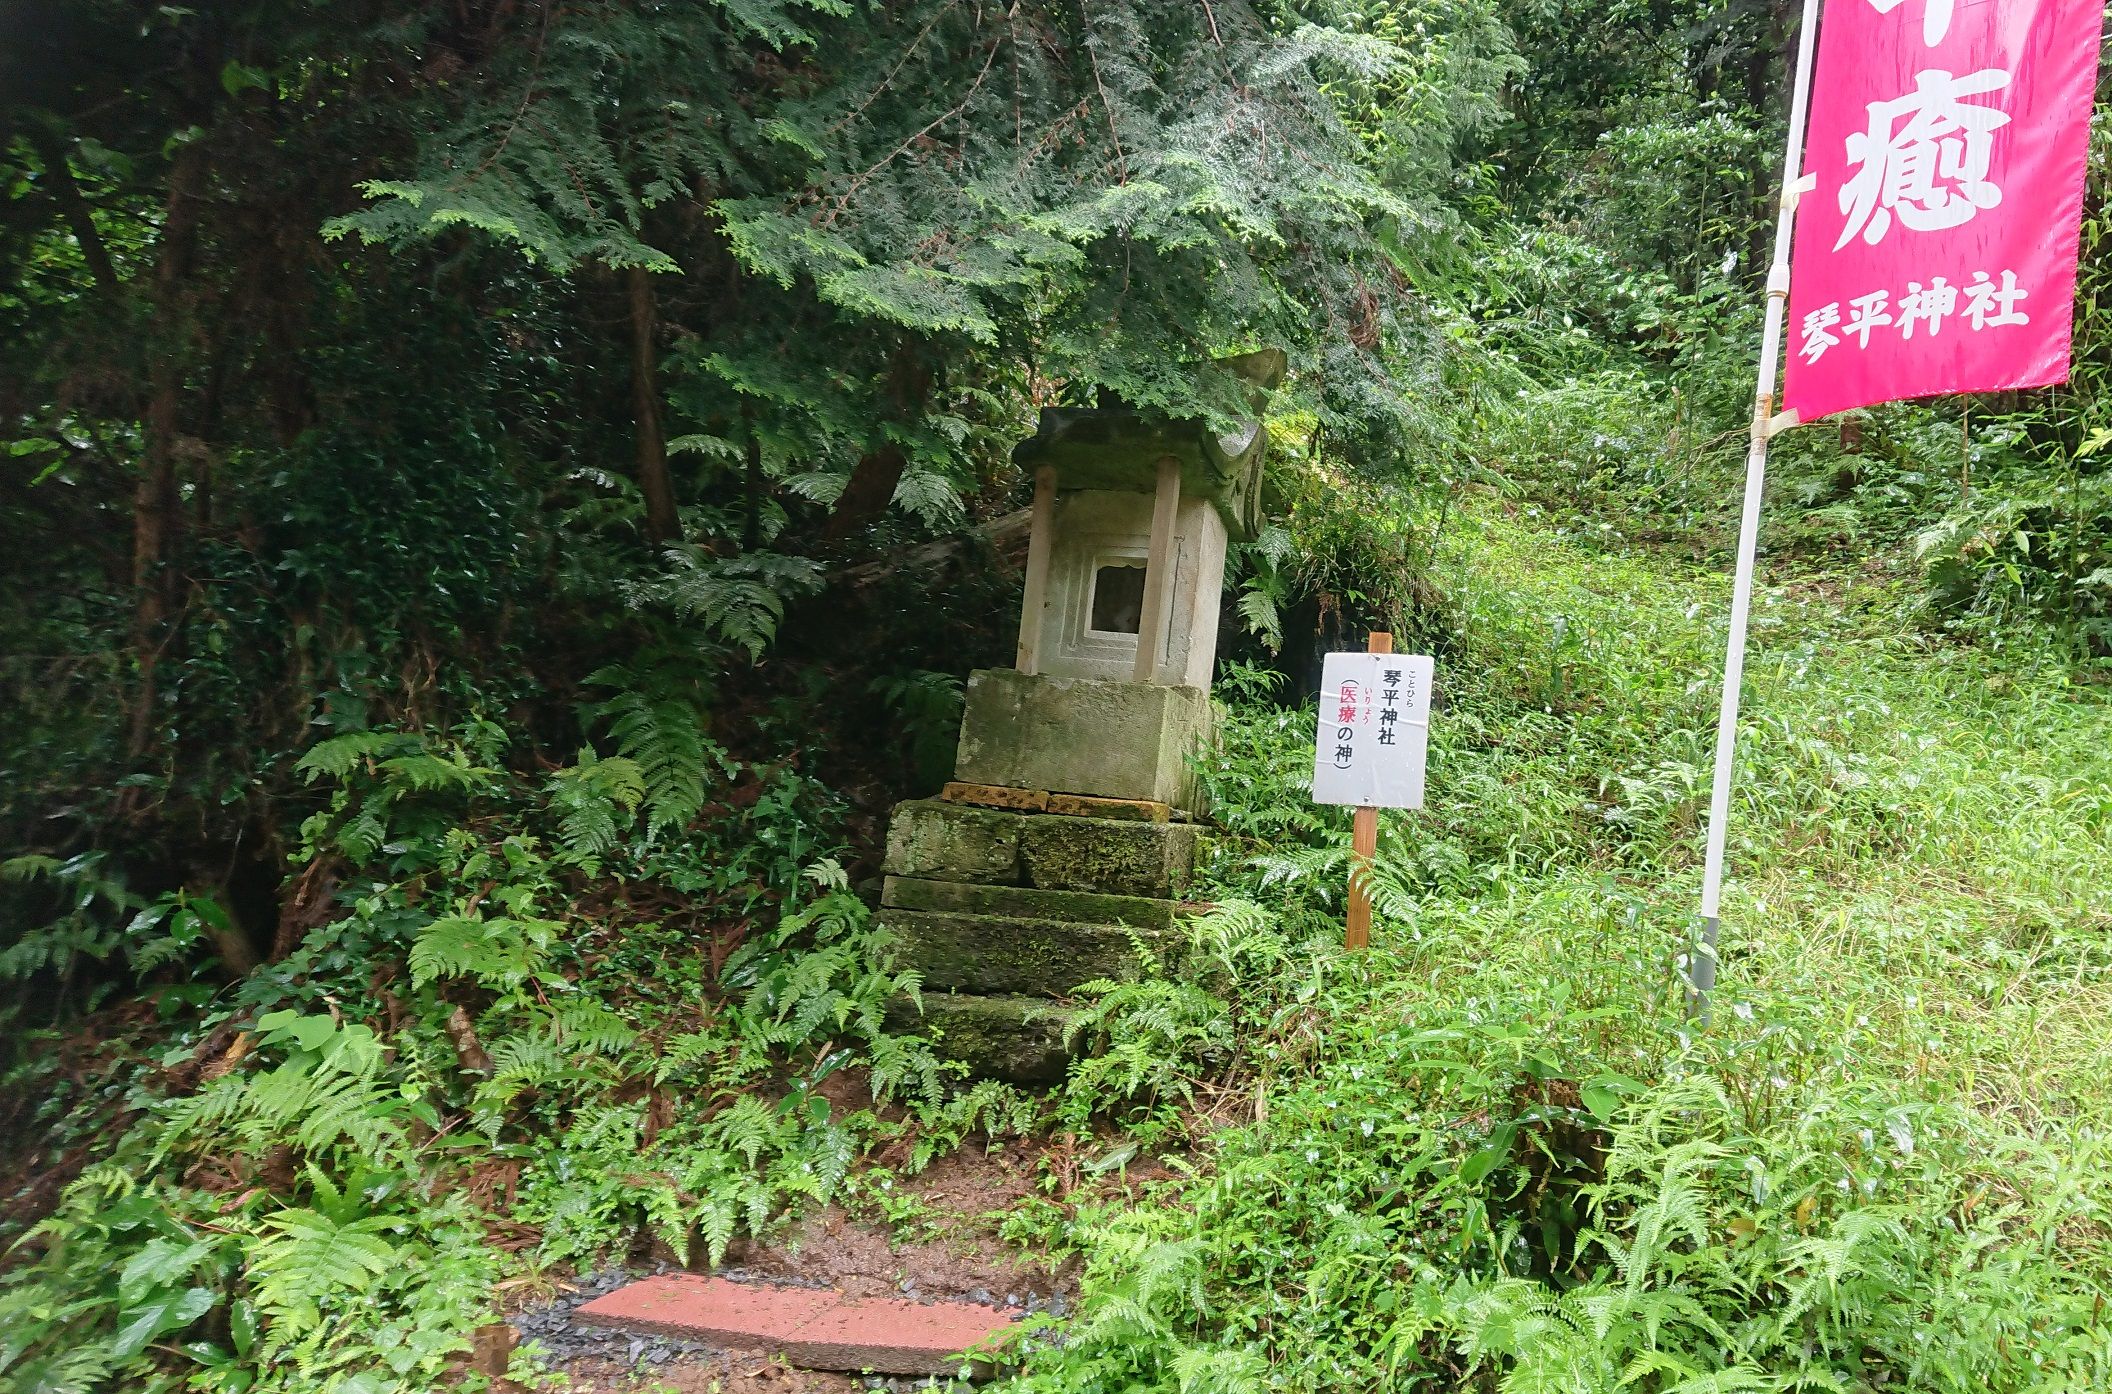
[
  {"x": 1105, "y": 854},
  {"x": 1006, "y": 1037},
  {"x": 954, "y": 842},
  {"x": 1030, "y": 903},
  {"x": 939, "y": 840},
  {"x": 815, "y": 1328},
  {"x": 995, "y": 953}
]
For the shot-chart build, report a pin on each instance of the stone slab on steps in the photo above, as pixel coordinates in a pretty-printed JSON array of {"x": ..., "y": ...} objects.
[
  {"x": 892, "y": 1337},
  {"x": 993, "y": 954},
  {"x": 716, "y": 1311},
  {"x": 816, "y": 1328},
  {"x": 998, "y": 1036},
  {"x": 938, "y": 840}
]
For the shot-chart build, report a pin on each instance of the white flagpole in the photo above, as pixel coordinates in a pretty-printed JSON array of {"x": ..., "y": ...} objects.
[{"x": 1702, "y": 969}]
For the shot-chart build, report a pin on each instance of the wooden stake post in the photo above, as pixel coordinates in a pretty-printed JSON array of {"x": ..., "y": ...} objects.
[{"x": 1363, "y": 846}]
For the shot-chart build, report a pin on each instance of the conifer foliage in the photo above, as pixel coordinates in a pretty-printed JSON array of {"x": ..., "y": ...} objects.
[{"x": 1110, "y": 190}]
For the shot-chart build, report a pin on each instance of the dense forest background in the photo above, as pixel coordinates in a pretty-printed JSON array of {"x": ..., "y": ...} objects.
[{"x": 503, "y": 496}]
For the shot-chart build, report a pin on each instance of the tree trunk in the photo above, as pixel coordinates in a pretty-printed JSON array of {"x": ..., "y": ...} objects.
[
  {"x": 67, "y": 194},
  {"x": 876, "y": 475},
  {"x": 752, "y": 520},
  {"x": 157, "y": 515},
  {"x": 662, "y": 525},
  {"x": 867, "y": 495},
  {"x": 237, "y": 955}
]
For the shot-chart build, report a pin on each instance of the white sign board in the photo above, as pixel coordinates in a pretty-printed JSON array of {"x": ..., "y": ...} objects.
[{"x": 1374, "y": 729}]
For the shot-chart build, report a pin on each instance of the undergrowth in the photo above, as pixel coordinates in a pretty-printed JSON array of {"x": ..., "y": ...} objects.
[
  {"x": 1493, "y": 1153},
  {"x": 530, "y": 1034}
]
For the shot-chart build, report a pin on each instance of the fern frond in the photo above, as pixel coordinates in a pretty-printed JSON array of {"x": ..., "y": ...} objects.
[{"x": 665, "y": 742}]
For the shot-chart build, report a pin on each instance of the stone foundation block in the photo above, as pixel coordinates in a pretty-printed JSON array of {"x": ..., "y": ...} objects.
[
  {"x": 1029, "y": 903},
  {"x": 1100, "y": 854},
  {"x": 990, "y": 953},
  {"x": 954, "y": 842},
  {"x": 933, "y": 839},
  {"x": 1011, "y": 1038},
  {"x": 1114, "y": 740}
]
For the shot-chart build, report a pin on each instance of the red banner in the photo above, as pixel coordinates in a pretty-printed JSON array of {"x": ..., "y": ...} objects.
[{"x": 1935, "y": 250}]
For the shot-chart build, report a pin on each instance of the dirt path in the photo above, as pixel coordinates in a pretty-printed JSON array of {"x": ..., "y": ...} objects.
[{"x": 949, "y": 1249}]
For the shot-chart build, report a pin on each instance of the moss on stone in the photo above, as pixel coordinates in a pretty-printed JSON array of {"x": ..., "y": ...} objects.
[
  {"x": 1029, "y": 903},
  {"x": 953, "y": 842},
  {"x": 998, "y": 1037},
  {"x": 1115, "y": 740},
  {"x": 993, "y": 953},
  {"x": 1099, "y": 854}
]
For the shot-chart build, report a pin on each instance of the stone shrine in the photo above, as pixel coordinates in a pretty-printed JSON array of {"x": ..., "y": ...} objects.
[{"x": 1068, "y": 836}]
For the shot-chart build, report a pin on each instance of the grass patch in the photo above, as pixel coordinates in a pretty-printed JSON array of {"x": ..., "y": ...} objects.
[{"x": 1493, "y": 1154}]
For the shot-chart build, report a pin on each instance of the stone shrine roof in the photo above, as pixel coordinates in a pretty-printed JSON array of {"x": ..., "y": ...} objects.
[{"x": 1119, "y": 448}]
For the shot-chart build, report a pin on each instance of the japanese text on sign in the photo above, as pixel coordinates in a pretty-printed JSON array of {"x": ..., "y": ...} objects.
[
  {"x": 1374, "y": 727},
  {"x": 1988, "y": 305},
  {"x": 1936, "y": 249}
]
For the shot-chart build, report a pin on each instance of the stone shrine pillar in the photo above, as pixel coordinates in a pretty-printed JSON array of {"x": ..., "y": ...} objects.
[{"x": 1068, "y": 835}]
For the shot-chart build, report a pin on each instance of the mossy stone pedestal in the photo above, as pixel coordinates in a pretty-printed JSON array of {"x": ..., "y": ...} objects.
[
  {"x": 1090, "y": 736},
  {"x": 1003, "y": 913}
]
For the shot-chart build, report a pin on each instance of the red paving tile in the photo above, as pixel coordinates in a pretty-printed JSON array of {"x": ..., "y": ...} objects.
[
  {"x": 891, "y": 1337},
  {"x": 710, "y": 1309},
  {"x": 815, "y": 1328}
]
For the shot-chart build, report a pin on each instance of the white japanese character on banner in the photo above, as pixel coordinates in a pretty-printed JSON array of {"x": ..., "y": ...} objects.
[
  {"x": 1987, "y": 304},
  {"x": 1866, "y": 313},
  {"x": 1816, "y": 339},
  {"x": 1930, "y": 171},
  {"x": 1935, "y": 18},
  {"x": 1930, "y": 305}
]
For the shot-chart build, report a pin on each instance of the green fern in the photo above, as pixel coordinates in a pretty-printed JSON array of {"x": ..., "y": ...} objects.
[
  {"x": 520, "y": 1063},
  {"x": 661, "y": 733},
  {"x": 337, "y": 757},
  {"x": 379, "y": 773},
  {"x": 502, "y": 952},
  {"x": 740, "y": 599},
  {"x": 333, "y": 1094},
  {"x": 588, "y": 799},
  {"x": 583, "y": 1024},
  {"x": 311, "y": 1261}
]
